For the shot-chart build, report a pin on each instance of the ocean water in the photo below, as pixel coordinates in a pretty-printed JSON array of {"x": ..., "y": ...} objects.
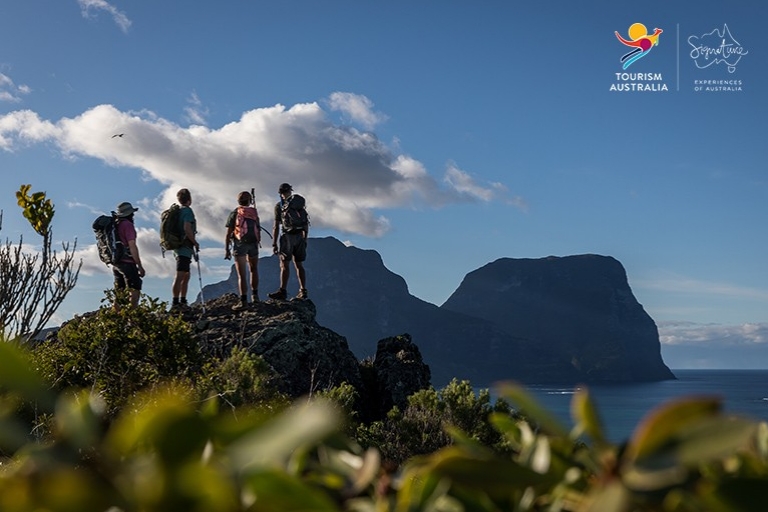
[{"x": 621, "y": 407}]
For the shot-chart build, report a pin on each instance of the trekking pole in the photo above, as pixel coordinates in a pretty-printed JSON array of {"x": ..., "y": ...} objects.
[{"x": 200, "y": 277}]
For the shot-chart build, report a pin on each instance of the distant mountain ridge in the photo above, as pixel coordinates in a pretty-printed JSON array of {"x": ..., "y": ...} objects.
[{"x": 359, "y": 298}]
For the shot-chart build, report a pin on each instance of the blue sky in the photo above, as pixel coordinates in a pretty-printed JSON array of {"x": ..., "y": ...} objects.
[{"x": 444, "y": 135}]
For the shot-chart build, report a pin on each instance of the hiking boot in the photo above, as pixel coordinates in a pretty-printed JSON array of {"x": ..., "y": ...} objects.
[
  {"x": 280, "y": 294},
  {"x": 303, "y": 294},
  {"x": 240, "y": 306}
]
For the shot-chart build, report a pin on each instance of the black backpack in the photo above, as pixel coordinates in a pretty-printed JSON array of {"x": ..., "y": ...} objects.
[
  {"x": 111, "y": 248},
  {"x": 295, "y": 216}
]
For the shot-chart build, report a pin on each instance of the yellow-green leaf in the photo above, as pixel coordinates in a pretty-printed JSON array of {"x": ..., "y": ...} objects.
[{"x": 662, "y": 424}]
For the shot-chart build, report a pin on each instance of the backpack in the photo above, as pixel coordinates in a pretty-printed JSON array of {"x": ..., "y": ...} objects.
[
  {"x": 247, "y": 225},
  {"x": 110, "y": 247},
  {"x": 294, "y": 214},
  {"x": 172, "y": 234}
]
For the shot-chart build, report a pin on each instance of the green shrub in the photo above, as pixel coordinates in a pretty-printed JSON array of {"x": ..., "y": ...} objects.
[
  {"x": 116, "y": 353},
  {"x": 241, "y": 379},
  {"x": 424, "y": 425}
]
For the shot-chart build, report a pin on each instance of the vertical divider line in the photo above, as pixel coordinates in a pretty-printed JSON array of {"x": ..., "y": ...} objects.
[{"x": 678, "y": 57}]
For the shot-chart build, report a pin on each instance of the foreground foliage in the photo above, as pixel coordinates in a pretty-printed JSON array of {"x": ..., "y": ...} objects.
[{"x": 166, "y": 451}]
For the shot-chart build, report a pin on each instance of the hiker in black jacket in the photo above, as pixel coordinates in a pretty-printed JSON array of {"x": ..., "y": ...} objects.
[{"x": 291, "y": 214}]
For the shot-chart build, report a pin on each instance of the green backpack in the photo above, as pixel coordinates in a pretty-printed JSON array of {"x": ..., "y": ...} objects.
[{"x": 171, "y": 231}]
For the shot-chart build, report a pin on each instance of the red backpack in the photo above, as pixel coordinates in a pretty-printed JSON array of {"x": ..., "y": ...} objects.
[{"x": 247, "y": 225}]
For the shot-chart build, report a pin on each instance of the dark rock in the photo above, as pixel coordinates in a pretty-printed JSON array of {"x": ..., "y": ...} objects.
[
  {"x": 577, "y": 311},
  {"x": 307, "y": 356},
  {"x": 400, "y": 372}
]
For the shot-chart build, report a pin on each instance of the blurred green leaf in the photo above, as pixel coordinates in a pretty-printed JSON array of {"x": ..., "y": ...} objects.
[
  {"x": 585, "y": 415},
  {"x": 274, "y": 491},
  {"x": 614, "y": 497},
  {"x": 496, "y": 476},
  {"x": 273, "y": 443},
  {"x": 531, "y": 409},
  {"x": 738, "y": 495},
  {"x": 17, "y": 376},
  {"x": 662, "y": 424},
  {"x": 77, "y": 420}
]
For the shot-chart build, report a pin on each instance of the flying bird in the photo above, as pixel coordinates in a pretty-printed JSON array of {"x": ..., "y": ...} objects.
[{"x": 118, "y": 135}]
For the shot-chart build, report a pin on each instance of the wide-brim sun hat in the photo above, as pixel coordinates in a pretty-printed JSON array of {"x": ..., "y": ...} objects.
[{"x": 126, "y": 209}]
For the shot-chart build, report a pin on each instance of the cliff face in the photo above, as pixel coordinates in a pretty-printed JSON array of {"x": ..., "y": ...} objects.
[
  {"x": 485, "y": 332},
  {"x": 579, "y": 309}
]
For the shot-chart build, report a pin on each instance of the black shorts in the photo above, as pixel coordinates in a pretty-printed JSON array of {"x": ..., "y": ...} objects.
[
  {"x": 293, "y": 245},
  {"x": 126, "y": 276},
  {"x": 183, "y": 263},
  {"x": 246, "y": 249}
]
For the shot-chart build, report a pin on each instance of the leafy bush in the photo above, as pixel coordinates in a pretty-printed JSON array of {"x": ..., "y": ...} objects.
[
  {"x": 241, "y": 379},
  {"x": 422, "y": 427},
  {"x": 117, "y": 352}
]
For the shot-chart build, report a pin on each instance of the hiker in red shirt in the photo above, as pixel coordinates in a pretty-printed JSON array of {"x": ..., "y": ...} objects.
[{"x": 128, "y": 271}]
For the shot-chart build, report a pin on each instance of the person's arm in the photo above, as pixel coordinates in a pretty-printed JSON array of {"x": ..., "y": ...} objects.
[
  {"x": 190, "y": 234},
  {"x": 228, "y": 242},
  {"x": 276, "y": 228},
  {"x": 134, "y": 250}
]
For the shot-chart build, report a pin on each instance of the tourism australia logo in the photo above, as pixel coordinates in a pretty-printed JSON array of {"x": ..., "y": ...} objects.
[{"x": 638, "y": 45}]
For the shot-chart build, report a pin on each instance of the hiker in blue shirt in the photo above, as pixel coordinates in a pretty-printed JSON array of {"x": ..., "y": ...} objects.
[{"x": 188, "y": 249}]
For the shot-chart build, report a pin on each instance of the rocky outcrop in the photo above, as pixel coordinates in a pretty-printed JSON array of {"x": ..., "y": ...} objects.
[
  {"x": 307, "y": 356},
  {"x": 578, "y": 311},
  {"x": 399, "y": 372}
]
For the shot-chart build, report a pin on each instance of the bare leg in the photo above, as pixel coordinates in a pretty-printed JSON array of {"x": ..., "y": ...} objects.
[{"x": 301, "y": 274}]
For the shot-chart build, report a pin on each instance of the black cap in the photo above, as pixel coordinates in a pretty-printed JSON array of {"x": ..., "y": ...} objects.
[{"x": 285, "y": 187}]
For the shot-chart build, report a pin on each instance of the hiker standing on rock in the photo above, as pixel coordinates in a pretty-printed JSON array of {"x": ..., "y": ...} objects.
[
  {"x": 291, "y": 214},
  {"x": 129, "y": 270},
  {"x": 188, "y": 248},
  {"x": 244, "y": 229}
]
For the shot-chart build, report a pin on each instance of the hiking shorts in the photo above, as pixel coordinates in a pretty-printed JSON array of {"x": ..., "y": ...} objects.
[
  {"x": 183, "y": 263},
  {"x": 293, "y": 245},
  {"x": 245, "y": 249},
  {"x": 126, "y": 276}
]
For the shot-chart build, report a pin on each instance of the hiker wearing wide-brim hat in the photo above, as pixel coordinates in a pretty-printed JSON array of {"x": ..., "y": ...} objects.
[
  {"x": 125, "y": 209},
  {"x": 129, "y": 270},
  {"x": 290, "y": 214}
]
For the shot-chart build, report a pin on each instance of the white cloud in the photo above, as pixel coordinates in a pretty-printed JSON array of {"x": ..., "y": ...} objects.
[
  {"x": 88, "y": 6},
  {"x": 357, "y": 107},
  {"x": 466, "y": 186},
  {"x": 11, "y": 92},
  {"x": 712, "y": 335},
  {"x": 347, "y": 177},
  {"x": 194, "y": 111}
]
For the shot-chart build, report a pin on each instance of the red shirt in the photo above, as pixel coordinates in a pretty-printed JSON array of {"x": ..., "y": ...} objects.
[{"x": 127, "y": 232}]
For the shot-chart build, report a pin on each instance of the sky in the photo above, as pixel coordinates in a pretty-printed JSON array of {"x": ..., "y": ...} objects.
[{"x": 442, "y": 134}]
